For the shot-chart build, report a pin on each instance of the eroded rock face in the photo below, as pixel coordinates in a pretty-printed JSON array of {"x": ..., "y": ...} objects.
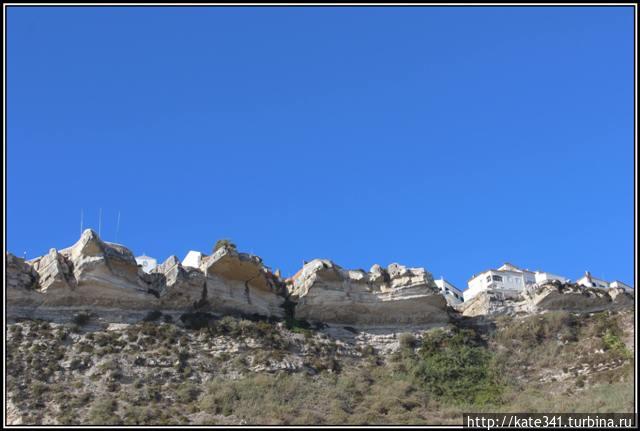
[
  {"x": 19, "y": 274},
  {"x": 100, "y": 263},
  {"x": 102, "y": 276},
  {"x": 239, "y": 281},
  {"x": 22, "y": 282},
  {"x": 99, "y": 274},
  {"x": 325, "y": 292},
  {"x": 53, "y": 271},
  {"x": 493, "y": 303},
  {"x": 574, "y": 298},
  {"x": 91, "y": 272},
  {"x": 551, "y": 296},
  {"x": 183, "y": 287}
]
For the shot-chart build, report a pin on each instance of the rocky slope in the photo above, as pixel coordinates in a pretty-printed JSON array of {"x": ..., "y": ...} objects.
[
  {"x": 231, "y": 371},
  {"x": 92, "y": 339}
]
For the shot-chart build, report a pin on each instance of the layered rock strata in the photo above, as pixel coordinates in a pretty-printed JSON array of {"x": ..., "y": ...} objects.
[
  {"x": 323, "y": 291},
  {"x": 104, "y": 278},
  {"x": 97, "y": 274},
  {"x": 551, "y": 296}
]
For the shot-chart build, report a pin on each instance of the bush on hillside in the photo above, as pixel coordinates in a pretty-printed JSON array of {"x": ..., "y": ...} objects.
[{"x": 457, "y": 368}]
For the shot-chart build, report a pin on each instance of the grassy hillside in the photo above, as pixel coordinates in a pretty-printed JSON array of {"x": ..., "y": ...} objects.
[{"x": 235, "y": 371}]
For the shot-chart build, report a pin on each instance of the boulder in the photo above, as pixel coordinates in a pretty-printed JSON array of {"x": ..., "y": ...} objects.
[{"x": 325, "y": 292}]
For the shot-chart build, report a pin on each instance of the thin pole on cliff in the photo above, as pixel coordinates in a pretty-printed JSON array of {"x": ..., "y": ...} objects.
[{"x": 117, "y": 226}]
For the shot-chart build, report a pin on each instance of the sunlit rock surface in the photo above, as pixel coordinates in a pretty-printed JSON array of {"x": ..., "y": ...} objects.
[{"x": 325, "y": 292}]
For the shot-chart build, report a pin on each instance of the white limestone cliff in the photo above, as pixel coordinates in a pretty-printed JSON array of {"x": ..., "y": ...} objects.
[
  {"x": 325, "y": 292},
  {"x": 97, "y": 274},
  {"x": 551, "y": 296},
  {"x": 104, "y": 277}
]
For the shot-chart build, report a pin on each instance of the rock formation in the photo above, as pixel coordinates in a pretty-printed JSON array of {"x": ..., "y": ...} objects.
[
  {"x": 22, "y": 282},
  {"x": 239, "y": 281},
  {"x": 93, "y": 273},
  {"x": 550, "y": 296},
  {"x": 97, "y": 274},
  {"x": 104, "y": 277},
  {"x": 325, "y": 292},
  {"x": 179, "y": 287}
]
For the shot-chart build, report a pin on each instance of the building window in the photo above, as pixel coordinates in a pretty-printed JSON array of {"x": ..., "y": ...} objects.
[
  {"x": 488, "y": 278},
  {"x": 497, "y": 278}
]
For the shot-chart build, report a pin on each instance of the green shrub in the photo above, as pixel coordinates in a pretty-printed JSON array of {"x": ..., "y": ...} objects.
[
  {"x": 538, "y": 328},
  {"x": 407, "y": 340},
  {"x": 220, "y": 398},
  {"x": 187, "y": 393},
  {"x": 613, "y": 343},
  {"x": 38, "y": 388},
  {"x": 223, "y": 243},
  {"x": 457, "y": 368},
  {"x": 102, "y": 412}
]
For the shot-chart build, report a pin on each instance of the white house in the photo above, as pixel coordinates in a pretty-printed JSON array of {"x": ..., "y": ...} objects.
[
  {"x": 452, "y": 294},
  {"x": 147, "y": 263},
  {"x": 508, "y": 279},
  {"x": 620, "y": 285},
  {"x": 193, "y": 259},
  {"x": 542, "y": 277},
  {"x": 534, "y": 277},
  {"x": 529, "y": 277},
  {"x": 588, "y": 280}
]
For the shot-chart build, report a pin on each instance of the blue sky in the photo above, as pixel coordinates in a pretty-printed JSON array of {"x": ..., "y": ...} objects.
[{"x": 450, "y": 138}]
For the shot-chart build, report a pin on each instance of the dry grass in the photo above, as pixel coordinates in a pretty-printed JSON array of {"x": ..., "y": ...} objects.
[{"x": 161, "y": 374}]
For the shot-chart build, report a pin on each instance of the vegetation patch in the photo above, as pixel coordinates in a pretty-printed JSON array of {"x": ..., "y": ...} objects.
[{"x": 457, "y": 368}]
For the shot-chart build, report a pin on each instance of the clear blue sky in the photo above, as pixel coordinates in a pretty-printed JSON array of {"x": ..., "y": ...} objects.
[{"x": 450, "y": 138}]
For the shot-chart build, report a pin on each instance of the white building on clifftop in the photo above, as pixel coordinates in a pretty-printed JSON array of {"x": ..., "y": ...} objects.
[
  {"x": 588, "y": 280},
  {"x": 452, "y": 294},
  {"x": 508, "y": 279},
  {"x": 193, "y": 259}
]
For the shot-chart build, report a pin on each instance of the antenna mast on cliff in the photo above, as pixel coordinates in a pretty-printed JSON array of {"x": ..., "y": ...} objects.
[
  {"x": 117, "y": 226},
  {"x": 100, "y": 223}
]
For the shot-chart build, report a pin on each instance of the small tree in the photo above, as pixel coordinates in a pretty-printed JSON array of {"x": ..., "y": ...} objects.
[
  {"x": 407, "y": 340},
  {"x": 223, "y": 243}
]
